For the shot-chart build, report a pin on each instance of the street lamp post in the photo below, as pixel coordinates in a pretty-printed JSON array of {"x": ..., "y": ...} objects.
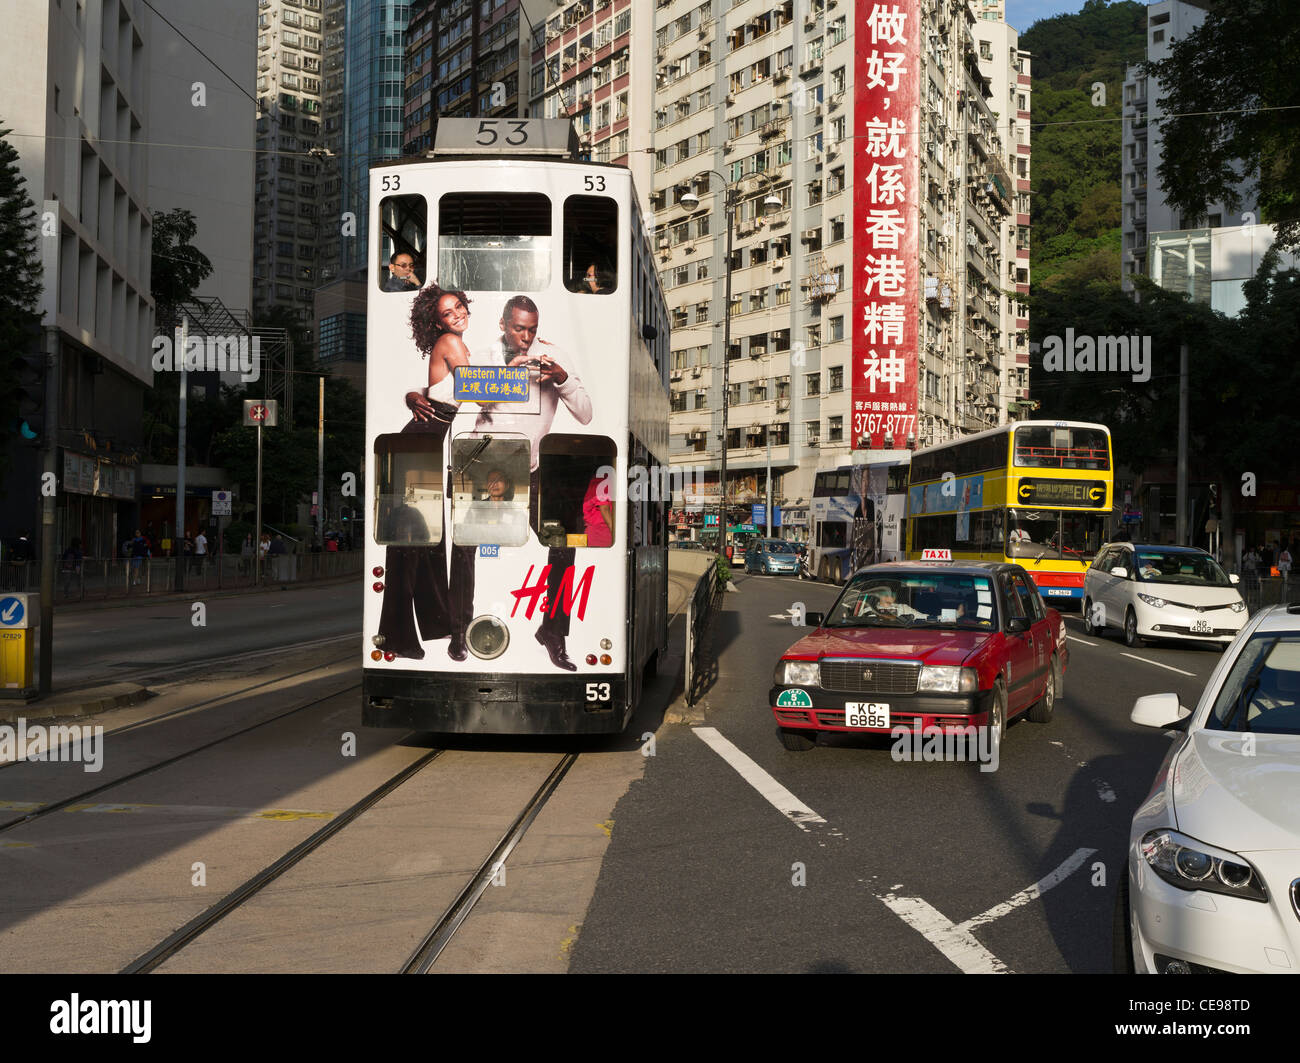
[{"x": 690, "y": 201}]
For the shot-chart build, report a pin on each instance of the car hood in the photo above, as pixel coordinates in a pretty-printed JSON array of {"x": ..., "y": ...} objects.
[
  {"x": 1188, "y": 594},
  {"x": 930, "y": 645},
  {"x": 1236, "y": 798}
]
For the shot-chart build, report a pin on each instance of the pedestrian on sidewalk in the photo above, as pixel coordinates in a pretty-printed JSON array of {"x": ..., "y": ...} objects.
[
  {"x": 200, "y": 551},
  {"x": 72, "y": 558},
  {"x": 1284, "y": 564},
  {"x": 139, "y": 554}
]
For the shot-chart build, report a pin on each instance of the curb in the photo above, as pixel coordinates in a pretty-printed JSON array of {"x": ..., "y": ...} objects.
[
  {"x": 197, "y": 595},
  {"x": 76, "y": 703}
]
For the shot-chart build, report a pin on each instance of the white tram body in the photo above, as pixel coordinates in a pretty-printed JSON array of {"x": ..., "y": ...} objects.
[{"x": 471, "y": 588}]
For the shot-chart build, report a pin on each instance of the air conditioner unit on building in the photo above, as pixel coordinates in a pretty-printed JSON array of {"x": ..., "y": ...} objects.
[
  {"x": 808, "y": 236},
  {"x": 731, "y": 98},
  {"x": 695, "y": 371},
  {"x": 676, "y": 374},
  {"x": 782, "y": 405}
]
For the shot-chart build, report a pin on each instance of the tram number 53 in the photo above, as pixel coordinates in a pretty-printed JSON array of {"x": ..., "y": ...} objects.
[
  {"x": 597, "y": 691},
  {"x": 489, "y": 132}
]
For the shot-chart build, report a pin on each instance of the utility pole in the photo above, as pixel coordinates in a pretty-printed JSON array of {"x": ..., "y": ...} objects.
[
  {"x": 320, "y": 468},
  {"x": 178, "y": 539},
  {"x": 726, "y": 376},
  {"x": 1180, "y": 532},
  {"x": 50, "y": 476}
]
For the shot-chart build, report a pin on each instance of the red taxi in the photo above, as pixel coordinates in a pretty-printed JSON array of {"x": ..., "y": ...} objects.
[{"x": 923, "y": 645}]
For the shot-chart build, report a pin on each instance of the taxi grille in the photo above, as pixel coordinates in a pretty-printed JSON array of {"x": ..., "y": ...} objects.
[{"x": 870, "y": 677}]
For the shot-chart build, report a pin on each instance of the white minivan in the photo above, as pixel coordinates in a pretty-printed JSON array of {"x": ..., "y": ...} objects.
[{"x": 1161, "y": 592}]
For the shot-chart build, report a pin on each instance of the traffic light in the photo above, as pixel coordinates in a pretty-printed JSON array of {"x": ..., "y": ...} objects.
[{"x": 29, "y": 395}]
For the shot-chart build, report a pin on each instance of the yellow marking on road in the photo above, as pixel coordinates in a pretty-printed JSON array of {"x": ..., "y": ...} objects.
[
  {"x": 607, "y": 827},
  {"x": 15, "y": 845},
  {"x": 567, "y": 944},
  {"x": 289, "y": 814},
  {"x": 111, "y": 807},
  {"x": 20, "y": 806}
]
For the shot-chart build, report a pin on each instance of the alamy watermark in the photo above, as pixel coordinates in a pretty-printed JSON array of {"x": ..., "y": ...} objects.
[
  {"x": 650, "y": 483},
  {"x": 955, "y": 743},
  {"x": 1099, "y": 354},
  {"x": 240, "y": 354},
  {"x": 58, "y": 742}
]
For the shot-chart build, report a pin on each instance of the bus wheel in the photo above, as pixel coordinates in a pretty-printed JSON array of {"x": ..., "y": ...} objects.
[{"x": 796, "y": 741}]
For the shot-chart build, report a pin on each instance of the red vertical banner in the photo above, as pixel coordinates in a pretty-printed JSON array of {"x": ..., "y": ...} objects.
[{"x": 886, "y": 252}]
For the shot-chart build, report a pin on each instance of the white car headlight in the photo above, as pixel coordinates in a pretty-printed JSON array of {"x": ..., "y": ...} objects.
[
  {"x": 1238, "y": 606},
  {"x": 798, "y": 673},
  {"x": 1151, "y": 599},
  {"x": 1191, "y": 865},
  {"x": 947, "y": 679}
]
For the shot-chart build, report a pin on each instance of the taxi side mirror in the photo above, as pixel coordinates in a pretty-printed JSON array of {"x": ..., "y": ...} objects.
[
  {"x": 813, "y": 619},
  {"x": 1017, "y": 624}
]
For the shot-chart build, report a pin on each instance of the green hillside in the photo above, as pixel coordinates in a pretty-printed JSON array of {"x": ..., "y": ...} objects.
[{"x": 1076, "y": 159}]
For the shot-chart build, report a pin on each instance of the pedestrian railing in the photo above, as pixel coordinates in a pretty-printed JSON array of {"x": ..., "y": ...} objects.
[
  {"x": 93, "y": 579},
  {"x": 699, "y": 611},
  {"x": 1260, "y": 592}
]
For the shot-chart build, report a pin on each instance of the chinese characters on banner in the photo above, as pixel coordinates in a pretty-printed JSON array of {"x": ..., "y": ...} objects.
[{"x": 886, "y": 265}]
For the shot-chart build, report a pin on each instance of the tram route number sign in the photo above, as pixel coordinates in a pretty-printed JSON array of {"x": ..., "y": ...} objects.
[
  {"x": 1090, "y": 494},
  {"x": 263, "y": 412},
  {"x": 506, "y": 136}
]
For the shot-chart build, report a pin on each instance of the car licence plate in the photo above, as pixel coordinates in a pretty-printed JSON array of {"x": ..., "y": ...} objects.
[
  {"x": 866, "y": 714},
  {"x": 1200, "y": 627}
]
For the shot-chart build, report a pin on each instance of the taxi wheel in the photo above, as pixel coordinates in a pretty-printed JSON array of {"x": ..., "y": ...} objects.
[
  {"x": 1122, "y": 929},
  {"x": 1041, "y": 711},
  {"x": 796, "y": 741},
  {"x": 1088, "y": 627},
  {"x": 1131, "y": 638},
  {"x": 998, "y": 717}
]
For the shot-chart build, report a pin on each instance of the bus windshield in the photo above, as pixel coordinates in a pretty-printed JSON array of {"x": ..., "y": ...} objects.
[{"x": 1054, "y": 534}]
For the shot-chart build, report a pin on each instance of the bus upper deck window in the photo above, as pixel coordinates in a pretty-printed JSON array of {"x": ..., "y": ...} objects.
[
  {"x": 403, "y": 243},
  {"x": 494, "y": 241},
  {"x": 591, "y": 245}
]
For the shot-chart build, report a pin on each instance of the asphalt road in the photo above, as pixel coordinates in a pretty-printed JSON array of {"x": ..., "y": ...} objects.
[{"x": 917, "y": 867}]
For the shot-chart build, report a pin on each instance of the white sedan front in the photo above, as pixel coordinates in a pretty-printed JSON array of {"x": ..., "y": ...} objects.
[{"x": 1213, "y": 870}]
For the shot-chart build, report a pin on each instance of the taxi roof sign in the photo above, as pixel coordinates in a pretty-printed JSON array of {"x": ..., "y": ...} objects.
[{"x": 936, "y": 555}]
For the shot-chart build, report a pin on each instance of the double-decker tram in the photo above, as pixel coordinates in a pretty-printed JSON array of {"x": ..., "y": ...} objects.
[
  {"x": 1038, "y": 493},
  {"x": 516, "y": 432}
]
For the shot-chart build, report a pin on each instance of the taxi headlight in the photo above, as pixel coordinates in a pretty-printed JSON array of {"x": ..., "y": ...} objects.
[
  {"x": 947, "y": 679},
  {"x": 1191, "y": 865},
  {"x": 798, "y": 673}
]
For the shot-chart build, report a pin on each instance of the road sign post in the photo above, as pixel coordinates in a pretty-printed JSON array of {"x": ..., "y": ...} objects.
[{"x": 260, "y": 413}]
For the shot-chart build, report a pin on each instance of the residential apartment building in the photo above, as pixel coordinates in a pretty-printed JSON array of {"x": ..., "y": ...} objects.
[
  {"x": 464, "y": 58},
  {"x": 593, "y": 62},
  {"x": 1144, "y": 210},
  {"x": 291, "y": 156},
  {"x": 757, "y": 100}
]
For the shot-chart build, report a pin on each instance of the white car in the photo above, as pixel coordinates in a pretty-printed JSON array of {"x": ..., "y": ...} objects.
[
  {"x": 1213, "y": 862},
  {"x": 1161, "y": 592}
]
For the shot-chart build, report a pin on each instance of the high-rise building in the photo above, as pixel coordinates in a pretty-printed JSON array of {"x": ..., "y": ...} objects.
[
  {"x": 464, "y": 59},
  {"x": 1144, "y": 210},
  {"x": 291, "y": 161},
  {"x": 592, "y": 62},
  {"x": 785, "y": 109}
]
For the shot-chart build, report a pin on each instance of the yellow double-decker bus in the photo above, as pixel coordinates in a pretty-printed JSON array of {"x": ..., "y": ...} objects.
[{"x": 1038, "y": 493}]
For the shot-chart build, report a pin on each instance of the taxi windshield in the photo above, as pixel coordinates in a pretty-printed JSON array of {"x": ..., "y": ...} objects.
[{"x": 927, "y": 598}]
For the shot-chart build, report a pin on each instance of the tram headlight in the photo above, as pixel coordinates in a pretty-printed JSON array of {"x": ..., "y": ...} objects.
[{"x": 487, "y": 637}]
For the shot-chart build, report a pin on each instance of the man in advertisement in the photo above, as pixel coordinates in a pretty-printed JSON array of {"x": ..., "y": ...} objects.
[{"x": 553, "y": 381}]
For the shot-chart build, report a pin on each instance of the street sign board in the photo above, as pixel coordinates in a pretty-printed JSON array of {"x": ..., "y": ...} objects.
[
  {"x": 264, "y": 412},
  {"x": 221, "y": 503}
]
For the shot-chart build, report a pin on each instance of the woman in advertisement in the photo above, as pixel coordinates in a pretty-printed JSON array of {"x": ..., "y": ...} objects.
[{"x": 418, "y": 589}]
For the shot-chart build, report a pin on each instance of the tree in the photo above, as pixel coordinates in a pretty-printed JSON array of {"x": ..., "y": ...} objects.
[
  {"x": 20, "y": 281},
  {"x": 1231, "y": 89},
  {"x": 178, "y": 266}
]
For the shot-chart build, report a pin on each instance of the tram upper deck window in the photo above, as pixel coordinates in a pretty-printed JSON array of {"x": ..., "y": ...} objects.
[
  {"x": 408, "y": 490},
  {"x": 403, "y": 243},
  {"x": 591, "y": 245},
  {"x": 494, "y": 241}
]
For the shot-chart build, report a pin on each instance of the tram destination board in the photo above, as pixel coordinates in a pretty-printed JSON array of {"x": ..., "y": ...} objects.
[
  {"x": 498, "y": 137},
  {"x": 1087, "y": 493}
]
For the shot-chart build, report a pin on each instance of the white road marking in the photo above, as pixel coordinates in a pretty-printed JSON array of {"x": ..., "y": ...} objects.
[
  {"x": 957, "y": 943},
  {"x": 1081, "y": 642},
  {"x": 1068, "y": 867},
  {"x": 772, "y": 791},
  {"x": 1145, "y": 660}
]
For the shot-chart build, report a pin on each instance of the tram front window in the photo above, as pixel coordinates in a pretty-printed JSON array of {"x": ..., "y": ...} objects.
[
  {"x": 494, "y": 241},
  {"x": 408, "y": 491}
]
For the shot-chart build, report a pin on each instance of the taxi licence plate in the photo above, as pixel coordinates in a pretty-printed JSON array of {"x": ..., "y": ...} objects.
[
  {"x": 866, "y": 714},
  {"x": 1201, "y": 627}
]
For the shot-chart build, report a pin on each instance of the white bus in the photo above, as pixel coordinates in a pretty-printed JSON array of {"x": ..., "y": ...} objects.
[
  {"x": 856, "y": 517},
  {"x": 516, "y": 410}
]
